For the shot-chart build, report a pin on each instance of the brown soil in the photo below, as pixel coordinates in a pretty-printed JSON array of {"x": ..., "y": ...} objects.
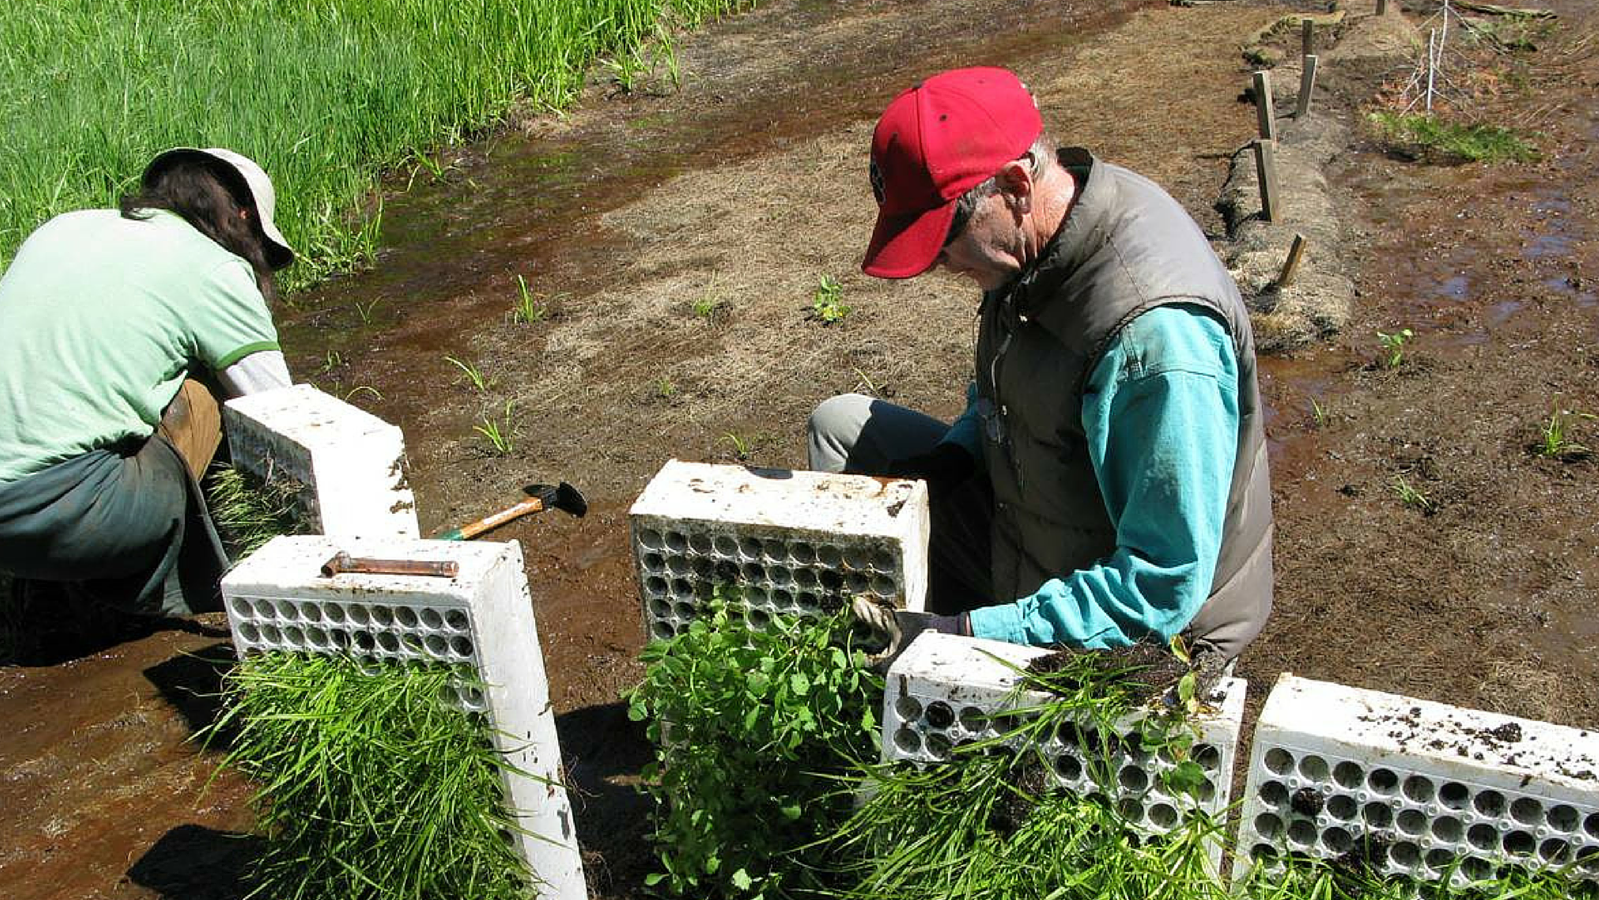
[{"x": 746, "y": 186}]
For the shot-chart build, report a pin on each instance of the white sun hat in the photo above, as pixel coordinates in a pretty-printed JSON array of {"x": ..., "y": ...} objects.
[{"x": 257, "y": 186}]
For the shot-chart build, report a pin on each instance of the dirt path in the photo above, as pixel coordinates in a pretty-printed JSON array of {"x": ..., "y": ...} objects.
[{"x": 741, "y": 190}]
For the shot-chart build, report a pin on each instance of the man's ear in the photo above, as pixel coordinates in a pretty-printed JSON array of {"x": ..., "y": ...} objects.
[{"x": 1015, "y": 179}]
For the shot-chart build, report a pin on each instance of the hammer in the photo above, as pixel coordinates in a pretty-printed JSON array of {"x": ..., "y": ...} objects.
[{"x": 540, "y": 496}]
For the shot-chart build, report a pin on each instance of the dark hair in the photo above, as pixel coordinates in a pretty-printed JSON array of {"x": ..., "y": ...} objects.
[{"x": 200, "y": 194}]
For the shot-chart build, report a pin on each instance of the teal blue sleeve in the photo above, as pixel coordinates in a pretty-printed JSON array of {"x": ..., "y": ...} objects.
[
  {"x": 1161, "y": 416},
  {"x": 964, "y": 432}
]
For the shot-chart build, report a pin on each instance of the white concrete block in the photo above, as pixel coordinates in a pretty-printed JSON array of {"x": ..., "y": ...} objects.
[
  {"x": 277, "y": 599},
  {"x": 1416, "y": 788},
  {"x": 350, "y": 463},
  {"x": 797, "y": 543},
  {"x": 945, "y": 691}
]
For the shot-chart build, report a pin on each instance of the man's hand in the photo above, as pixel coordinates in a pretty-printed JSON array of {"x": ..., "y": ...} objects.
[
  {"x": 899, "y": 627},
  {"x": 945, "y": 465}
]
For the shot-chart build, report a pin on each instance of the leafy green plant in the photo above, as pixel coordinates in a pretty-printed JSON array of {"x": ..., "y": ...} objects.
[
  {"x": 368, "y": 783},
  {"x": 752, "y": 725},
  {"x": 743, "y": 447},
  {"x": 664, "y": 388},
  {"x": 1555, "y": 440},
  {"x": 1393, "y": 347},
  {"x": 330, "y": 361},
  {"x": 474, "y": 376},
  {"x": 1409, "y": 495},
  {"x": 827, "y": 302},
  {"x": 497, "y": 433},
  {"x": 529, "y": 308},
  {"x": 1474, "y": 143},
  {"x": 248, "y": 512}
]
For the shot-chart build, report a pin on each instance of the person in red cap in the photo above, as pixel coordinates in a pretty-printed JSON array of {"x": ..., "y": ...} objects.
[
  {"x": 104, "y": 316},
  {"x": 1107, "y": 483}
]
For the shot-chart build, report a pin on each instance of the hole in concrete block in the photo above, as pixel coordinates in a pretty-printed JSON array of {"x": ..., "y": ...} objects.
[
  {"x": 659, "y": 608},
  {"x": 1589, "y": 860},
  {"x": 757, "y": 619},
  {"x": 883, "y": 561},
  {"x": 432, "y": 618},
  {"x": 1274, "y": 793},
  {"x": 1447, "y": 828},
  {"x": 855, "y": 583},
  {"x": 1279, "y": 761},
  {"x": 703, "y": 567},
  {"x": 388, "y": 642},
  {"x": 1483, "y": 836},
  {"x": 294, "y": 637},
  {"x": 249, "y": 632},
  {"x": 311, "y": 612},
  {"x": 287, "y": 610},
  {"x": 654, "y": 563},
  {"x": 461, "y": 646},
  {"x": 241, "y": 608},
  {"x": 782, "y": 598},
  {"x": 1163, "y": 815},
  {"x": 803, "y": 553},
  {"x": 382, "y": 616},
  {"x": 651, "y": 539},
  {"x": 662, "y": 629},
  {"x": 411, "y": 642},
  {"x": 1554, "y": 850},
  {"x": 1302, "y": 833},
  {"x": 832, "y": 580},
  {"x": 676, "y": 542},
  {"x": 700, "y": 543},
  {"x": 1383, "y": 781},
  {"x": 1527, "y": 811},
  {"x": 806, "y": 578},
  {"x": 683, "y": 609},
  {"x": 908, "y": 741},
  {"x": 1490, "y": 803},
  {"x": 1405, "y": 854},
  {"x": 1440, "y": 860},
  {"x": 724, "y": 545},
  {"x": 1263, "y": 852},
  {"x": 1132, "y": 778},
  {"x": 682, "y": 589},
  {"x": 883, "y": 586},
  {"x": 780, "y": 576},
  {"x": 1338, "y": 840},
  {"x": 1476, "y": 868},
  {"x": 406, "y": 616},
  {"x": 1068, "y": 767},
  {"x": 776, "y": 551},
  {"x": 1207, "y": 791},
  {"x": 655, "y": 586},
  {"x": 1412, "y": 822},
  {"x": 1418, "y": 789},
  {"x": 1377, "y": 815},
  {"x": 940, "y": 715},
  {"x": 436, "y": 645},
  {"x": 973, "y": 719},
  {"x": 1454, "y": 795},
  {"x": 908, "y": 708},
  {"x": 754, "y": 572},
  {"x": 1562, "y": 818},
  {"x": 339, "y": 639},
  {"x": 1519, "y": 843},
  {"x": 1131, "y": 810},
  {"x": 829, "y": 556},
  {"x": 749, "y": 548},
  {"x": 1349, "y": 775},
  {"x": 334, "y": 613},
  {"x": 1342, "y": 806},
  {"x": 938, "y": 746},
  {"x": 269, "y": 633},
  {"x": 1314, "y": 767},
  {"x": 806, "y": 600},
  {"x": 1208, "y": 756},
  {"x": 364, "y": 641},
  {"x": 857, "y": 558},
  {"x": 705, "y": 590}
]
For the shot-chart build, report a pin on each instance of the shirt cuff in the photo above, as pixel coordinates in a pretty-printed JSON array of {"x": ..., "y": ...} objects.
[{"x": 999, "y": 623}]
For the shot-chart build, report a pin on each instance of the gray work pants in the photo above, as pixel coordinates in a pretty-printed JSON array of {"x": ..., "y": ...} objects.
[{"x": 860, "y": 435}]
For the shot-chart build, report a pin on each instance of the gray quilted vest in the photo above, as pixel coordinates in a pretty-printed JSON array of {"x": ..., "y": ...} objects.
[{"x": 1126, "y": 247}]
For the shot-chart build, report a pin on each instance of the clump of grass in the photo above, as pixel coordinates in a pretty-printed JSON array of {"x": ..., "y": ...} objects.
[
  {"x": 473, "y": 375},
  {"x": 743, "y": 447},
  {"x": 1554, "y": 436},
  {"x": 326, "y": 96},
  {"x": 370, "y": 785},
  {"x": 1452, "y": 140},
  {"x": 989, "y": 824},
  {"x": 752, "y": 726},
  {"x": 827, "y": 302},
  {"x": 1285, "y": 876},
  {"x": 249, "y": 512},
  {"x": 1393, "y": 347},
  {"x": 1411, "y": 496},
  {"x": 498, "y": 433},
  {"x": 530, "y": 308}
]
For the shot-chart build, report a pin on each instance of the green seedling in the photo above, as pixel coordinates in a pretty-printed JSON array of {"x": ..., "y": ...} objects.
[
  {"x": 529, "y": 308},
  {"x": 1474, "y": 143},
  {"x": 865, "y": 385},
  {"x": 1409, "y": 495},
  {"x": 362, "y": 389},
  {"x": 757, "y": 721},
  {"x": 743, "y": 447},
  {"x": 664, "y": 388},
  {"x": 1393, "y": 347},
  {"x": 332, "y": 360},
  {"x": 474, "y": 375},
  {"x": 1318, "y": 413},
  {"x": 365, "y": 310},
  {"x": 827, "y": 302},
  {"x": 498, "y": 432},
  {"x": 1555, "y": 441},
  {"x": 368, "y": 782}
]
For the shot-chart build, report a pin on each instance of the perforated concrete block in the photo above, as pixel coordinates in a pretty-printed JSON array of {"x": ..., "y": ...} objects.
[
  {"x": 348, "y": 463},
  {"x": 1416, "y": 788},
  {"x": 945, "y": 691},
  {"x": 795, "y": 543},
  {"x": 278, "y": 600}
]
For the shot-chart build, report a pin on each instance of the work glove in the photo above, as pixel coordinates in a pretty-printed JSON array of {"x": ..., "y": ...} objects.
[
  {"x": 946, "y": 465},
  {"x": 898, "y": 627}
]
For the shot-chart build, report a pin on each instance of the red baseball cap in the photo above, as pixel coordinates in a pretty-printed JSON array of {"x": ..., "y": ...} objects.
[{"x": 935, "y": 142}]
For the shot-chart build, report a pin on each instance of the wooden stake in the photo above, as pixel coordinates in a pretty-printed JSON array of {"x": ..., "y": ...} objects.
[
  {"x": 1307, "y": 31},
  {"x": 1291, "y": 264},
  {"x": 1266, "y": 174},
  {"x": 1307, "y": 85},
  {"x": 1382, "y": 7},
  {"x": 1264, "y": 116}
]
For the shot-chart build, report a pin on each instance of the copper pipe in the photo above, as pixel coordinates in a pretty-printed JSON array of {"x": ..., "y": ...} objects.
[{"x": 343, "y": 562}]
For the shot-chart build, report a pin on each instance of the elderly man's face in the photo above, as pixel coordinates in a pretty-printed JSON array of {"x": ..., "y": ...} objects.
[{"x": 989, "y": 249}]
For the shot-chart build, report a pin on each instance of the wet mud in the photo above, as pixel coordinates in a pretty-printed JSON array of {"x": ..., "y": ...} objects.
[{"x": 745, "y": 184}]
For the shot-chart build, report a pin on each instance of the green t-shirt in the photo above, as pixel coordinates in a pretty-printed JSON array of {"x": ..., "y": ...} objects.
[{"x": 101, "y": 317}]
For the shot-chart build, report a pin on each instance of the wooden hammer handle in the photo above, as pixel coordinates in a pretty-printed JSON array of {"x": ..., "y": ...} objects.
[{"x": 530, "y": 505}]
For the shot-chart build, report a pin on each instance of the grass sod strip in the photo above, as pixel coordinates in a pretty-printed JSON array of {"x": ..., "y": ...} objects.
[
  {"x": 370, "y": 785},
  {"x": 1299, "y": 878},
  {"x": 755, "y": 731},
  {"x": 989, "y": 824},
  {"x": 248, "y": 513},
  {"x": 325, "y": 94}
]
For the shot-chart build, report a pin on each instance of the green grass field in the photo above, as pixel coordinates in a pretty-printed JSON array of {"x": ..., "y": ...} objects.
[{"x": 325, "y": 94}]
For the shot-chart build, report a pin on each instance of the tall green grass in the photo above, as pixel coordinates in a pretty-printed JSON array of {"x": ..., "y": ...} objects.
[{"x": 325, "y": 94}]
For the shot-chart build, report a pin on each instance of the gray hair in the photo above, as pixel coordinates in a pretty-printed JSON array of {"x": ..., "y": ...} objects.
[{"x": 1041, "y": 156}]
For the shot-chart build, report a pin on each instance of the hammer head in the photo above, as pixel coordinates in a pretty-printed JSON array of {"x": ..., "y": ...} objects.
[{"x": 559, "y": 496}]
